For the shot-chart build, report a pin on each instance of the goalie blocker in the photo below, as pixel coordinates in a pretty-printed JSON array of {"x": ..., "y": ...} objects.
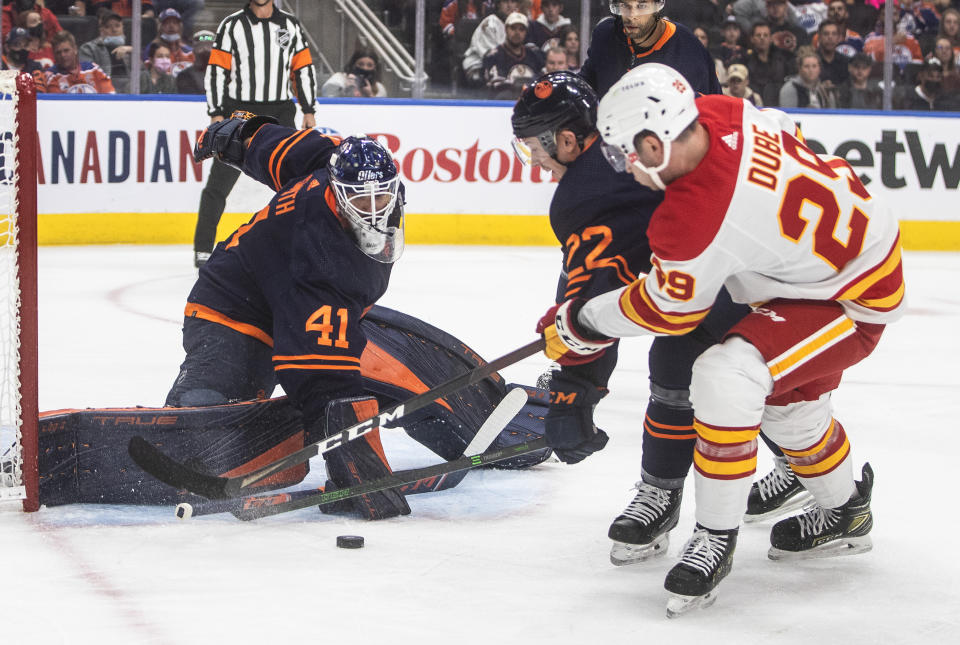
[{"x": 83, "y": 457}]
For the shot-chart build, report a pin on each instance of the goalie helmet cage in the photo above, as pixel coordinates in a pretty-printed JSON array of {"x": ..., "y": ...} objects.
[{"x": 19, "y": 478}]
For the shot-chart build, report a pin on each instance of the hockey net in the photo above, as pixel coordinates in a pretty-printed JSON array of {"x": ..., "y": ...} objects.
[{"x": 18, "y": 290}]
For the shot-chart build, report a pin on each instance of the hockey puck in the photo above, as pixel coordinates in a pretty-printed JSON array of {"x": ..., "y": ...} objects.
[{"x": 350, "y": 541}]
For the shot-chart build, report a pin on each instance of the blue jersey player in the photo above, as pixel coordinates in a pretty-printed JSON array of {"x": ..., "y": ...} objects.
[
  {"x": 281, "y": 300},
  {"x": 601, "y": 222},
  {"x": 637, "y": 34}
]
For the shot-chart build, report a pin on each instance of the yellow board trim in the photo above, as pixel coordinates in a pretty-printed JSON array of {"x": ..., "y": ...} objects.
[
  {"x": 930, "y": 236},
  {"x": 505, "y": 230}
]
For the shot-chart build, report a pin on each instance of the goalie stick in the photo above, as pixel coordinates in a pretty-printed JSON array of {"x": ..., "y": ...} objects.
[
  {"x": 255, "y": 507},
  {"x": 505, "y": 411},
  {"x": 155, "y": 462}
]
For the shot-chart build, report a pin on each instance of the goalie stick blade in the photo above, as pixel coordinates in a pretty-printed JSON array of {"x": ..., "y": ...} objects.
[
  {"x": 181, "y": 476},
  {"x": 154, "y": 462}
]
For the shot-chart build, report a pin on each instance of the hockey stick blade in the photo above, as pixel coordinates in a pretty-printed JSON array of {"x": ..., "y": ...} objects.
[
  {"x": 256, "y": 506},
  {"x": 169, "y": 471},
  {"x": 152, "y": 460},
  {"x": 506, "y": 410},
  {"x": 504, "y": 413}
]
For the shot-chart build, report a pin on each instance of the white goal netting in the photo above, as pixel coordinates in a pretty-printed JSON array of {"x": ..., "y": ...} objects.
[{"x": 11, "y": 458}]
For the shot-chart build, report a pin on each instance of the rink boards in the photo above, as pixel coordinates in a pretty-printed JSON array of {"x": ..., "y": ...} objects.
[{"x": 118, "y": 170}]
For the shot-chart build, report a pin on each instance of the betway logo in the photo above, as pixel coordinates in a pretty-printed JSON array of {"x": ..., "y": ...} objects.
[{"x": 928, "y": 162}]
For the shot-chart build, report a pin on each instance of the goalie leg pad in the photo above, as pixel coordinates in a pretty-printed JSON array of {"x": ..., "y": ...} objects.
[
  {"x": 361, "y": 460},
  {"x": 83, "y": 453}
]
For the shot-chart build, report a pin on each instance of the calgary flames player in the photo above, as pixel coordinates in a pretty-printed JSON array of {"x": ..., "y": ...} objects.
[
  {"x": 749, "y": 207},
  {"x": 281, "y": 300}
]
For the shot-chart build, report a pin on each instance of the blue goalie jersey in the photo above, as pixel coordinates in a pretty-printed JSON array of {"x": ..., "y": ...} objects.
[{"x": 292, "y": 277}]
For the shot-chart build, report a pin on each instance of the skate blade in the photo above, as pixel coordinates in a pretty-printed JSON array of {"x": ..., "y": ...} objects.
[
  {"x": 797, "y": 501},
  {"x": 677, "y": 604},
  {"x": 623, "y": 553},
  {"x": 837, "y": 548}
]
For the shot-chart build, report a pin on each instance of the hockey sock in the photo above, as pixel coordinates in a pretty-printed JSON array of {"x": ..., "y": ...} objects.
[{"x": 668, "y": 438}]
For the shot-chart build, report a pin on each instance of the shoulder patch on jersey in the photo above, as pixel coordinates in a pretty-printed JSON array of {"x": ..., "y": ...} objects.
[{"x": 732, "y": 140}]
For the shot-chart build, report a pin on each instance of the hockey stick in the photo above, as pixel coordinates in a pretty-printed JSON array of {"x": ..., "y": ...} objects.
[
  {"x": 503, "y": 414},
  {"x": 153, "y": 461},
  {"x": 254, "y": 507}
]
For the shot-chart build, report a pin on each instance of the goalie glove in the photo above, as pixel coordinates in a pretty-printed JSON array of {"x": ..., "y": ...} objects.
[
  {"x": 224, "y": 139},
  {"x": 568, "y": 342}
]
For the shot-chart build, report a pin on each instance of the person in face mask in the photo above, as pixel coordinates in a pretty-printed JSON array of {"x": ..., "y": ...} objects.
[
  {"x": 170, "y": 34},
  {"x": 360, "y": 78},
  {"x": 110, "y": 50},
  {"x": 16, "y": 55},
  {"x": 156, "y": 78},
  {"x": 40, "y": 48},
  {"x": 190, "y": 80},
  {"x": 927, "y": 91},
  {"x": 14, "y": 15}
]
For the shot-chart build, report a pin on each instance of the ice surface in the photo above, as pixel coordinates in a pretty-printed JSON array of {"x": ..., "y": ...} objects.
[{"x": 506, "y": 557}]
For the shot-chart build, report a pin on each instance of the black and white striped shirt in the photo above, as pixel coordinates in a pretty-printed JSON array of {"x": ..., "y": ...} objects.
[{"x": 259, "y": 60}]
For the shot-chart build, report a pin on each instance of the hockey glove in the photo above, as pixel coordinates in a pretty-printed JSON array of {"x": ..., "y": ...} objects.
[
  {"x": 224, "y": 139},
  {"x": 568, "y": 342},
  {"x": 360, "y": 460},
  {"x": 569, "y": 425}
]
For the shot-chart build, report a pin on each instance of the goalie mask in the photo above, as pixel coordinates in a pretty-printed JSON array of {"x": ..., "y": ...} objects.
[
  {"x": 651, "y": 98},
  {"x": 558, "y": 100},
  {"x": 369, "y": 197}
]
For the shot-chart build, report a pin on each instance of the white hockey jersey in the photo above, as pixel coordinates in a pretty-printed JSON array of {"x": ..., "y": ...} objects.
[{"x": 767, "y": 218}]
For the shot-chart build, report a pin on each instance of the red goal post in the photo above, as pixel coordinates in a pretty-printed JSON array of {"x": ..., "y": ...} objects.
[{"x": 19, "y": 478}]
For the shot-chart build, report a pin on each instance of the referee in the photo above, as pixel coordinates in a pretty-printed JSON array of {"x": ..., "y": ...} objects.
[{"x": 260, "y": 61}]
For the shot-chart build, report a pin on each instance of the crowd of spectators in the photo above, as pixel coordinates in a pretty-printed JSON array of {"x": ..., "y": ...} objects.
[
  {"x": 797, "y": 53},
  {"x": 83, "y": 46}
]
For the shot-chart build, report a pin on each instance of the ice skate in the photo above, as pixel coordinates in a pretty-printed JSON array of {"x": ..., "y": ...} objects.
[
  {"x": 642, "y": 531},
  {"x": 827, "y": 532},
  {"x": 707, "y": 559},
  {"x": 776, "y": 493}
]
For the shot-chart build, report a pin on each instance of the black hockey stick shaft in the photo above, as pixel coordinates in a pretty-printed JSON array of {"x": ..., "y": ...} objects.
[
  {"x": 490, "y": 429},
  {"x": 153, "y": 461},
  {"x": 256, "y": 506}
]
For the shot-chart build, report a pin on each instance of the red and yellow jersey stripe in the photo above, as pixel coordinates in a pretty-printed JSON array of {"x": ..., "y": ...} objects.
[
  {"x": 881, "y": 287},
  {"x": 638, "y": 307}
]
